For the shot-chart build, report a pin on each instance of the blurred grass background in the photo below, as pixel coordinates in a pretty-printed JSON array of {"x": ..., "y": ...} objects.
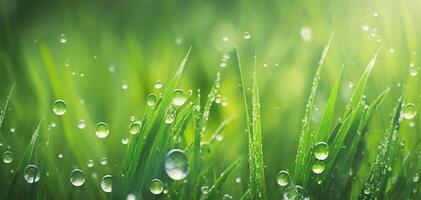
[{"x": 141, "y": 42}]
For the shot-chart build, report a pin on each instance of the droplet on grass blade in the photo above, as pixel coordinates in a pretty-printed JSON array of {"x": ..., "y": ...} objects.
[
  {"x": 63, "y": 39},
  {"x": 151, "y": 99},
  {"x": 103, "y": 161},
  {"x": 176, "y": 164},
  {"x": 102, "y": 130},
  {"x": 321, "y": 151},
  {"x": 283, "y": 178},
  {"x": 135, "y": 127},
  {"x": 156, "y": 186},
  {"x": 124, "y": 85},
  {"x": 204, "y": 190},
  {"x": 107, "y": 183},
  {"x": 7, "y": 157},
  {"x": 318, "y": 167},
  {"x": 158, "y": 85},
  {"x": 81, "y": 124},
  {"x": 179, "y": 97},
  {"x": 77, "y": 177},
  {"x": 246, "y": 35},
  {"x": 409, "y": 111},
  {"x": 295, "y": 192},
  {"x": 90, "y": 163},
  {"x": 59, "y": 107},
  {"x": 31, "y": 174}
]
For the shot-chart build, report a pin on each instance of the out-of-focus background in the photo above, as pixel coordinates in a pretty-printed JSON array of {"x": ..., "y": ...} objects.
[{"x": 84, "y": 52}]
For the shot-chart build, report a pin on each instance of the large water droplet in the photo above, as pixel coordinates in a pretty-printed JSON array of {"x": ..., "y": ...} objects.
[
  {"x": 59, "y": 107},
  {"x": 135, "y": 127},
  {"x": 77, "y": 177},
  {"x": 31, "y": 174},
  {"x": 156, "y": 186},
  {"x": 321, "y": 151},
  {"x": 282, "y": 178},
  {"x": 102, "y": 130},
  {"x": 318, "y": 167},
  {"x": 295, "y": 192},
  {"x": 179, "y": 97},
  {"x": 409, "y": 111},
  {"x": 176, "y": 164},
  {"x": 7, "y": 157},
  {"x": 151, "y": 99},
  {"x": 107, "y": 183}
]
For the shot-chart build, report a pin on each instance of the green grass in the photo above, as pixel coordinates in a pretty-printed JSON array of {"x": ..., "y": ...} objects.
[{"x": 254, "y": 106}]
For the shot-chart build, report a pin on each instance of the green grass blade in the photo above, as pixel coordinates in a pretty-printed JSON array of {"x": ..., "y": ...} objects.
[{"x": 6, "y": 104}]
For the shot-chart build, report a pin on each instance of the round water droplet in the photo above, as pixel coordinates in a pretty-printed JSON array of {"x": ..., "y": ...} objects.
[
  {"x": 102, "y": 130},
  {"x": 246, "y": 35},
  {"x": 409, "y": 111},
  {"x": 219, "y": 137},
  {"x": 124, "y": 85},
  {"x": 77, "y": 177},
  {"x": 179, "y": 97},
  {"x": 321, "y": 151},
  {"x": 125, "y": 140},
  {"x": 107, "y": 183},
  {"x": 282, "y": 178},
  {"x": 63, "y": 39},
  {"x": 205, "y": 148},
  {"x": 59, "y": 107},
  {"x": 237, "y": 180},
  {"x": 205, "y": 189},
  {"x": 31, "y": 174},
  {"x": 103, "y": 161},
  {"x": 151, "y": 99},
  {"x": 90, "y": 163},
  {"x": 318, "y": 167},
  {"x": 158, "y": 85},
  {"x": 176, "y": 164},
  {"x": 135, "y": 127},
  {"x": 131, "y": 197},
  {"x": 416, "y": 178},
  {"x": 295, "y": 192},
  {"x": 156, "y": 186},
  {"x": 81, "y": 124},
  {"x": 7, "y": 157},
  {"x": 226, "y": 197},
  {"x": 413, "y": 71}
]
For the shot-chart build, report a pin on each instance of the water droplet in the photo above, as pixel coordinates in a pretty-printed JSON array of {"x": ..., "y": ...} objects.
[
  {"x": 12, "y": 130},
  {"x": 375, "y": 14},
  {"x": 365, "y": 27},
  {"x": 103, "y": 161},
  {"x": 282, "y": 178},
  {"x": 409, "y": 111},
  {"x": 156, "y": 186},
  {"x": 107, "y": 183},
  {"x": 158, "y": 85},
  {"x": 151, "y": 99},
  {"x": 224, "y": 102},
  {"x": 7, "y": 157},
  {"x": 125, "y": 140},
  {"x": 318, "y": 167},
  {"x": 170, "y": 115},
  {"x": 223, "y": 64},
  {"x": 321, "y": 151},
  {"x": 219, "y": 137},
  {"x": 413, "y": 71},
  {"x": 81, "y": 124},
  {"x": 205, "y": 189},
  {"x": 63, "y": 39},
  {"x": 246, "y": 35},
  {"x": 102, "y": 130},
  {"x": 205, "y": 147},
  {"x": 176, "y": 164},
  {"x": 59, "y": 107},
  {"x": 77, "y": 177},
  {"x": 295, "y": 192},
  {"x": 131, "y": 197},
  {"x": 60, "y": 155},
  {"x": 237, "y": 180},
  {"x": 135, "y": 127},
  {"x": 225, "y": 39},
  {"x": 226, "y": 197},
  {"x": 179, "y": 97},
  {"x": 415, "y": 178},
  {"x": 90, "y": 163},
  {"x": 124, "y": 85},
  {"x": 306, "y": 33},
  {"x": 31, "y": 174}
]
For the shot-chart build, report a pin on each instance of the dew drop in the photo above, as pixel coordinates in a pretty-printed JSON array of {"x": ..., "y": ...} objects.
[
  {"x": 7, "y": 157},
  {"x": 295, "y": 192},
  {"x": 219, "y": 137},
  {"x": 77, "y": 177},
  {"x": 131, "y": 197},
  {"x": 176, "y": 164},
  {"x": 31, "y": 174},
  {"x": 413, "y": 71},
  {"x": 237, "y": 180},
  {"x": 409, "y": 111},
  {"x": 179, "y": 97},
  {"x": 151, "y": 99},
  {"x": 246, "y": 35},
  {"x": 124, "y": 85},
  {"x": 306, "y": 33},
  {"x": 135, "y": 127},
  {"x": 102, "y": 130},
  {"x": 204, "y": 190},
  {"x": 156, "y": 186},
  {"x": 59, "y": 107},
  {"x": 103, "y": 161},
  {"x": 125, "y": 140},
  {"x": 90, "y": 163},
  {"x": 63, "y": 39},
  {"x": 282, "y": 178},
  {"x": 205, "y": 148},
  {"x": 158, "y": 85},
  {"x": 321, "y": 151},
  {"x": 318, "y": 167},
  {"x": 81, "y": 124},
  {"x": 107, "y": 183}
]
